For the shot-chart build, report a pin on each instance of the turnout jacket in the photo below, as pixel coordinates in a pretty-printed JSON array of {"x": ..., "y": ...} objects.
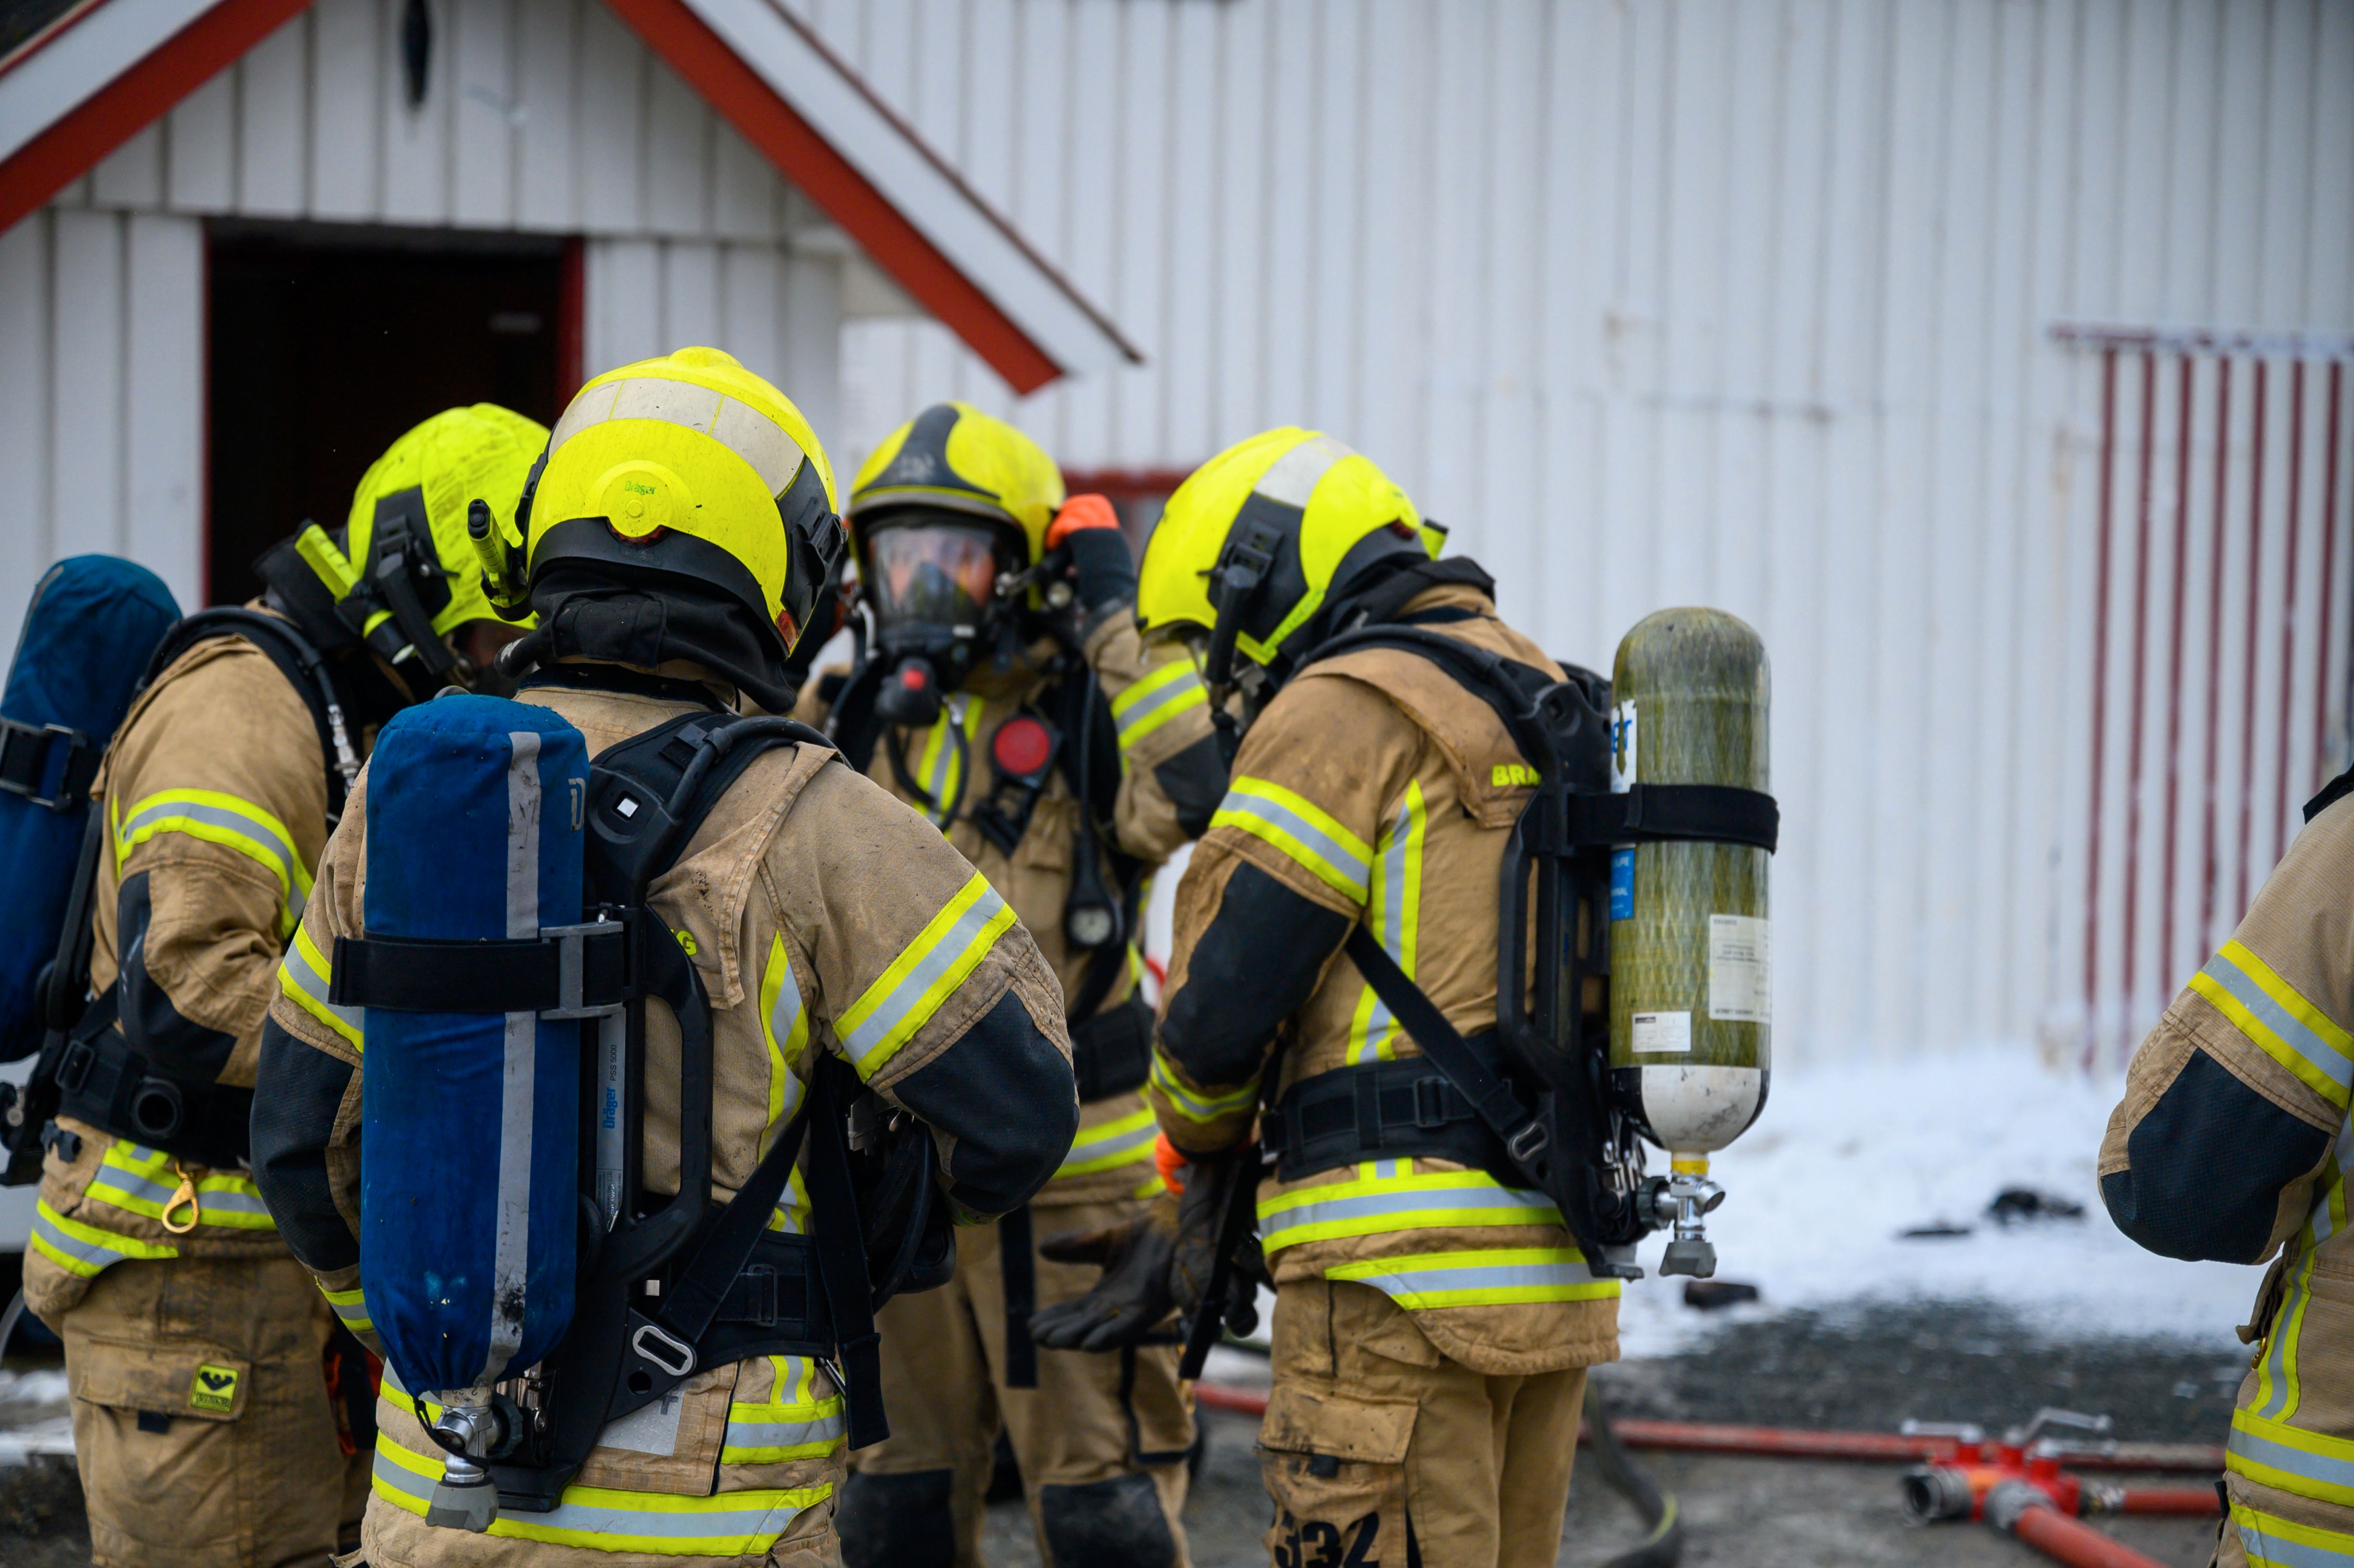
[
  {"x": 215, "y": 801},
  {"x": 2234, "y": 1142},
  {"x": 823, "y": 916},
  {"x": 1372, "y": 788},
  {"x": 1171, "y": 780}
]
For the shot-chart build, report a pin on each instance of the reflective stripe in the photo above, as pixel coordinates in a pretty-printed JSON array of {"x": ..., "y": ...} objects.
[
  {"x": 727, "y": 1524},
  {"x": 1300, "y": 829},
  {"x": 2276, "y": 1392},
  {"x": 1292, "y": 478},
  {"x": 794, "y": 1424},
  {"x": 2289, "y": 1028},
  {"x": 926, "y": 973},
  {"x": 1483, "y": 1278},
  {"x": 784, "y": 1025},
  {"x": 351, "y": 1306},
  {"x": 2328, "y": 1216},
  {"x": 1377, "y": 1206},
  {"x": 1394, "y": 914},
  {"x": 1193, "y": 1107},
  {"x": 1123, "y": 1140},
  {"x": 941, "y": 768},
  {"x": 1159, "y": 697},
  {"x": 141, "y": 1181},
  {"x": 85, "y": 1249},
  {"x": 224, "y": 820},
  {"x": 2306, "y": 1463},
  {"x": 739, "y": 427},
  {"x": 2272, "y": 1541},
  {"x": 304, "y": 974}
]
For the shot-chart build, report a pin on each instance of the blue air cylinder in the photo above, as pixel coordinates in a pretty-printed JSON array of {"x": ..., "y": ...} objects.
[{"x": 471, "y": 1121}]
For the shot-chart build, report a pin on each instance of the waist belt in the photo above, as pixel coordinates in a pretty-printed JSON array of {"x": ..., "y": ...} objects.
[
  {"x": 775, "y": 1307},
  {"x": 1112, "y": 1052},
  {"x": 102, "y": 1081},
  {"x": 1383, "y": 1110}
]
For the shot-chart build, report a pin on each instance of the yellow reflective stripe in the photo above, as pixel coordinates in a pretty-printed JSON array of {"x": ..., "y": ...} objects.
[
  {"x": 1300, "y": 829},
  {"x": 1485, "y": 1278},
  {"x": 2272, "y": 1541},
  {"x": 1193, "y": 1107},
  {"x": 2278, "y": 1454},
  {"x": 1170, "y": 690},
  {"x": 2282, "y": 1023},
  {"x": 784, "y": 1028},
  {"x": 1123, "y": 1140},
  {"x": 85, "y": 1249},
  {"x": 220, "y": 819},
  {"x": 2277, "y": 1393},
  {"x": 141, "y": 1181},
  {"x": 724, "y": 1524},
  {"x": 926, "y": 973},
  {"x": 1380, "y": 1204},
  {"x": 305, "y": 974},
  {"x": 1394, "y": 914},
  {"x": 793, "y": 1424},
  {"x": 941, "y": 769},
  {"x": 351, "y": 1306}
]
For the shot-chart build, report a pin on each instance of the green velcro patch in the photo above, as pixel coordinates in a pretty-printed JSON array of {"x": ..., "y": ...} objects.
[{"x": 215, "y": 1388}]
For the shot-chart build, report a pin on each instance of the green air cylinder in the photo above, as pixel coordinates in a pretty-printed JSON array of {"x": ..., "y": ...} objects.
[{"x": 1690, "y": 973}]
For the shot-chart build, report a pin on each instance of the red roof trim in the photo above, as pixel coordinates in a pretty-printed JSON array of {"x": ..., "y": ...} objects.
[
  {"x": 804, "y": 157},
  {"x": 134, "y": 100}
]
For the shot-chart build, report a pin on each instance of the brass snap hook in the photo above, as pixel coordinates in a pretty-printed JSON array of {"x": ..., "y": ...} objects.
[{"x": 186, "y": 1194}]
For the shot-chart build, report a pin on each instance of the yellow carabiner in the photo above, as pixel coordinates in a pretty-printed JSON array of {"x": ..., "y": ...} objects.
[{"x": 187, "y": 1196}]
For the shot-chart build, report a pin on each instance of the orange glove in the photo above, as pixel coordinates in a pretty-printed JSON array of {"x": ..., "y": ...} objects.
[
  {"x": 1171, "y": 1163},
  {"x": 1081, "y": 511}
]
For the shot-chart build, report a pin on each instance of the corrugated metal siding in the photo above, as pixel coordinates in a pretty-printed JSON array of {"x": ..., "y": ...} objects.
[
  {"x": 540, "y": 115},
  {"x": 1742, "y": 303}
]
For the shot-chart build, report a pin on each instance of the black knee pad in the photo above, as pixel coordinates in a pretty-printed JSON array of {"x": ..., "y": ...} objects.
[
  {"x": 905, "y": 1520},
  {"x": 1116, "y": 1524}
]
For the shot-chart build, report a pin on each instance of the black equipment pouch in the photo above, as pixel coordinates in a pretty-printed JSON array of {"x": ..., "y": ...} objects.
[
  {"x": 1112, "y": 1052},
  {"x": 83, "y": 1058}
]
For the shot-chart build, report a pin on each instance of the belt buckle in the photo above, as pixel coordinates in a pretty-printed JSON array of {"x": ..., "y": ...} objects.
[
  {"x": 1528, "y": 1143},
  {"x": 571, "y": 969},
  {"x": 73, "y": 1071},
  {"x": 1429, "y": 1103},
  {"x": 680, "y": 1355}
]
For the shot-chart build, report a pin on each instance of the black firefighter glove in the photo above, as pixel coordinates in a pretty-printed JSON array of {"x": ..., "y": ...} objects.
[
  {"x": 1158, "y": 1263},
  {"x": 1103, "y": 571}
]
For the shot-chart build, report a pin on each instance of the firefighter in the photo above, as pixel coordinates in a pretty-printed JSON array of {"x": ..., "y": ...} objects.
[
  {"x": 1433, "y": 1323},
  {"x": 2232, "y": 1142},
  {"x": 1066, "y": 762},
  {"x": 206, "y": 1369},
  {"x": 677, "y": 536}
]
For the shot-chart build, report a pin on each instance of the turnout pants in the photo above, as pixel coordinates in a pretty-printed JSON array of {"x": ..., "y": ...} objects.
[
  {"x": 1102, "y": 1439},
  {"x": 1377, "y": 1449},
  {"x": 202, "y": 1422}
]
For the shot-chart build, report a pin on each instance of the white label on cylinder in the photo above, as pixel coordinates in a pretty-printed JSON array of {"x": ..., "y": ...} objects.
[
  {"x": 1663, "y": 1031},
  {"x": 1740, "y": 970}
]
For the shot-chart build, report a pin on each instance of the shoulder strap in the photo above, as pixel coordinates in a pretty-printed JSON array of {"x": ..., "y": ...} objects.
[
  {"x": 649, "y": 793},
  {"x": 305, "y": 669},
  {"x": 2336, "y": 790}
]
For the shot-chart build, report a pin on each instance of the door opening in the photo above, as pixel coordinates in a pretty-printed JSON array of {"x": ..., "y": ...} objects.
[{"x": 326, "y": 342}]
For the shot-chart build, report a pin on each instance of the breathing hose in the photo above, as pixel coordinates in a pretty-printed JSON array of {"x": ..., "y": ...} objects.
[{"x": 1664, "y": 1547}]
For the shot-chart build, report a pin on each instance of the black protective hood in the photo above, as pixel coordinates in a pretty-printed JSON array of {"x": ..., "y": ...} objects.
[{"x": 585, "y": 615}]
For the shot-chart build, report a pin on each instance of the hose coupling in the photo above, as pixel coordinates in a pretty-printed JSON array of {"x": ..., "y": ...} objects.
[
  {"x": 465, "y": 1497},
  {"x": 1686, "y": 1201}
]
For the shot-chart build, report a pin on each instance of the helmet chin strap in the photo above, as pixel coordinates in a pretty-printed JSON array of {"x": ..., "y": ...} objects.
[{"x": 1235, "y": 584}]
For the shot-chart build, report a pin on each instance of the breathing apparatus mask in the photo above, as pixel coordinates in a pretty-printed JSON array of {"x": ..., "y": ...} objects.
[{"x": 943, "y": 589}]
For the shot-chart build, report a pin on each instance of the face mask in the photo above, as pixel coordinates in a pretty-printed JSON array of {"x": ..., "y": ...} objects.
[{"x": 932, "y": 588}]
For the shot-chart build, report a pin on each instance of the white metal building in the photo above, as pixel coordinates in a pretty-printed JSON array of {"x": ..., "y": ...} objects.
[{"x": 1752, "y": 304}]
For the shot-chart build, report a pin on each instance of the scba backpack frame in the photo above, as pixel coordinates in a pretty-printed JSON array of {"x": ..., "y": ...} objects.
[{"x": 594, "y": 1320}]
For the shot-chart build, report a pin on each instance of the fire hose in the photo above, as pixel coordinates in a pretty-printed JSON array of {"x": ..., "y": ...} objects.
[{"x": 2016, "y": 1485}]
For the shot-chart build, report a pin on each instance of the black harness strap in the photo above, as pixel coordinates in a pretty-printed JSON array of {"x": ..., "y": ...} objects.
[
  {"x": 1380, "y": 1110},
  {"x": 841, "y": 1260},
  {"x": 1018, "y": 1264}
]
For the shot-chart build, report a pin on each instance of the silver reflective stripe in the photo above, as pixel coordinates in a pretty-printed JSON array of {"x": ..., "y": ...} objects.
[
  {"x": 134, "y": 1185},
  {"x": 1369, "y": 1205},
  {"x": 2320, "y": 1055},
  {"x": 1351, "y": 863},
  {"x": 511, "y": 1261},
  {"x": 915, "y": 986},
  {"x": 249, "y": 824},
  {"x": 73, "y": 1246},
  {"x": 782, "y": 1434},
  {"x": 741, "y": 428},
  {"x": 756, "y": 1522},
  {"x": 302, "y": 974},
  {"x": 1293, "y": 477},
  {"x": 1183, "y": 686},
  {"x": 2295, "y": 1461},
  {"x": 1472, "y": 1277},
  {"x": 2265, "y": 1548}
]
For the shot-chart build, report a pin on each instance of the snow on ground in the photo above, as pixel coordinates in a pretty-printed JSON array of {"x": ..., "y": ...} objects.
[{"x": 1847, "y": 1156}]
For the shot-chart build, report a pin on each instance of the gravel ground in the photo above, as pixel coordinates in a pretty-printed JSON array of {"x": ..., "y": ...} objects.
[{"x": 1865, "y": 1368}]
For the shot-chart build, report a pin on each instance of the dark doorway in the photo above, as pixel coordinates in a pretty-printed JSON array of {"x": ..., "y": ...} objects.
[{"x": 327, "y": 343}]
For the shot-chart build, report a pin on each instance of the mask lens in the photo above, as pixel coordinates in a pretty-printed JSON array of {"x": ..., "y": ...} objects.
[{"x": 932, "y": 574}]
